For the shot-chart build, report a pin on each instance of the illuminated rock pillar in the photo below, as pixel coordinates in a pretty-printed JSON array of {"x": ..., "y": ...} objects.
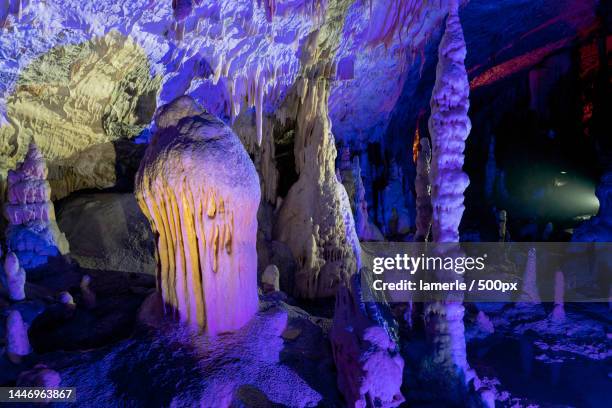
[
  {"x": 315, "y": 220},
  {"x": 17, "y": 343},
  {"x": 33, "y": 234},
  {"x": 15, "y": 277},
  {"x": 449, "y": 127},
  {"x": 200, "y": 192}
]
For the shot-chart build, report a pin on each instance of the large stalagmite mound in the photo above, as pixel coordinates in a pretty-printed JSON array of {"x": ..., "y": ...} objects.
[{"x": 200, "y": 191}]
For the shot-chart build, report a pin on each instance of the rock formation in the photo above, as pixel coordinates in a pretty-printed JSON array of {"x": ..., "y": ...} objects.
[
  {"x": 17, "y": 343},
  {"x": 15, "y": 277},
  {"x": 423, "y": 191},
  {"x": 394, "y": 211},
  {"x": 529, "y": 294},
  {"x": 200, "y": 192},
  {"x": 315, "y": 220},
  {"x": 33, "y": 234},
  {"x": 484, "y": 323},
  {"x": 599, "y": 227},
  {"x": 370, "y": 367},
  {"x": 366, "y": 230},
  {"x": 39, "y": 376},
  {"x": 449, "y": 127},
  {"x": 73, "y": 100},
  {"x": 270, "y": 279},
  {"x": 127, "y": 244},
  {"x": 502, "y": 229},
  {"x": 490, "y": 171},
  {"x": 89, "y": 296},
  {"x": 66, "y": 299},
  {"x": 350, "y": 172},
  {"x": 558, "y": 313}
]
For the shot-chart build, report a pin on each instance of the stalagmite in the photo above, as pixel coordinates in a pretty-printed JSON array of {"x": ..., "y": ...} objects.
[
  {"x": 89, "y": 296},
  {"x": 66, "y": 299},
  {"x": 502, "y": 221},
  {"x": 394, "y": 212},
  {"x": 200, "y": 192},
  {"x": 366, "y": 230},
  {"x": 270, "y": 279},
  {"x": 350, "y": 172},
  {"x": 490, "y": 171},
  {"x": 529, "y": 293},
  {"x": 315, "y": 220},
  {"x": 15, "y": 277},
  {"x": 484, "y": 323},
  {"x": 370, "y": 367},
  {"x": 449, "y": 127},
  {"x": 423, "y": 191},
  {"x": 17, "y": 343},
  {"x": 33, "y": 234},
  {"x": 558, "y": 313}
]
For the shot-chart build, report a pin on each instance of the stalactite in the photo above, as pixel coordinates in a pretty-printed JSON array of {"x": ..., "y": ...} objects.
[
  {"x": 423, "y": 191},
  {"x": 33, "y": 234},
  {"x": 200, "y": 192},
  {"x": 449, "y": 127}
]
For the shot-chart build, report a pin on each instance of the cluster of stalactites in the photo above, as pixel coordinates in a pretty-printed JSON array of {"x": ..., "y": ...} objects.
[
  {"x": 312, "y": 7},
  {"x": 391, "y": 17},
  {"x": 449, "y": 127}
]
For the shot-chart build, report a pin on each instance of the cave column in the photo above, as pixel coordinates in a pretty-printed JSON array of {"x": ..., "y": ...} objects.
[{"x": 449, "y": 127}]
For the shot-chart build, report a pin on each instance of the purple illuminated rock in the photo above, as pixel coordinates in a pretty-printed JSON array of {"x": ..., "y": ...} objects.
[
  {"x": 17, "y": 343},
  {"x": 449, "y": 127},
  {"x": 15, "y": 277},
  {"x": 33, "y": 234},
  {"x": 39, "y": 376},
  {"x": 200, "y": 192}
]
